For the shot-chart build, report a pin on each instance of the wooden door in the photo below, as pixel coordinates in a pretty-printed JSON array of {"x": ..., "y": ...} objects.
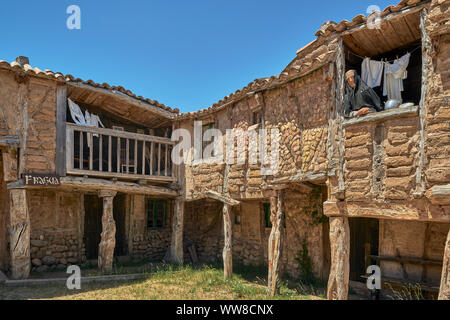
[
  {"x": 119, "y": 212},
  {"x": 364, "y": 235},
  {"x": 93, "y": 207}
]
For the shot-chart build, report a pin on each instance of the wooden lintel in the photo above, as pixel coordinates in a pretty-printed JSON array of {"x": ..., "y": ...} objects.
[
  {"x": 222, "y": 198},
  {"x": 301, "y": 178},
  {"x": 119, "y": 186},
  {"x": 10, "y": 141}
]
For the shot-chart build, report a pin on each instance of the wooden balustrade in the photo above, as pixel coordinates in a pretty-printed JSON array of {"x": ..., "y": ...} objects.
[{"x": 101, "y": 152}]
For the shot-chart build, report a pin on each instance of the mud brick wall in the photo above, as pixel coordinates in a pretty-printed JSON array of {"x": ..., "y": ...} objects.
[
  {"x": 381, "y": 160},
  {"x": 28, "y": 109},
  {"x": 147, "y": 243},
  {"x": 413, "y": 240},
  {"x": 54, "y": 218},
  {"x": 437, "y": 138}
]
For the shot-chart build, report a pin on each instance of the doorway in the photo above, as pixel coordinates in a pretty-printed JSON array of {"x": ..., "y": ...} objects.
[
  {"x": 93, "y": 210},
  {"x": 119, "y": 213},
  {"x": 364, "y": 234}
]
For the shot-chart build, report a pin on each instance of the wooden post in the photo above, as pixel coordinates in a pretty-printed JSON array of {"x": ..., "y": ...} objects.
[
  {"x": 444, "y": 292},
  {"x": 176, "y": 247},
  {"x": 227, "y": 248},
  {"x": 340, "y": 259},
  {"x": 108, "y": 236},
  {"x": 19, "y": 234},
  {"x": 275, "y": 242}
]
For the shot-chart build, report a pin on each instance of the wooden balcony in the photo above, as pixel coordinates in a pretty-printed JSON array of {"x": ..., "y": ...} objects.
[{"x": 117, "y": 154}]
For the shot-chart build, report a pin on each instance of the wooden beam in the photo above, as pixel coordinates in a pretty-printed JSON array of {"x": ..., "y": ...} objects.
[
  {"x": 176, "y": 246},
  {"x": 10, "y": 163},
  {"x": 119, "y": 186},
  {"x": 444, "y": 292},
  {"x": 145, "y": 106},
  {"x": 227, "y": 248},
  {"x": 337, "y": 288},
  {"x": 222, "y": 198},
  {"x": 61, "y": 109},
  {"x": 11, "y": 141},
  {"x": 383, "y": 116},
  {"x": 275, "y": 243},
  {"x": 108, "y": 236}
]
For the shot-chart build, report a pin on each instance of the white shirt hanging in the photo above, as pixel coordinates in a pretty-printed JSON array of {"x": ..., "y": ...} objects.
[
  {"x": 394, "y": 74},
  {"x": 372, "y": 72}
]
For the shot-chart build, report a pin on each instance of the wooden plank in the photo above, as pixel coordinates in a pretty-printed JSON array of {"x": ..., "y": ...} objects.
[
  {"x": 127, "y": 153},
  {"x": 70, "y": 149},
  {"x": 121, "y": 134},
  {"x": 81, "y": 150},
  {"x": 143, "y": 158},
  {"x": 416, "y": 261},
  {"x": 222, "y": 198},
  {"x": 135, "y": 156},
  {"x": 151, "y": 157},
  {"x": 109, "y": 153},
  {"x": 10, "y": 141},
  {"x": 383, "y": 116},
  {"x": 91, "y": 151},
  {"x": 227, "y": 248},
  {"x": 118, "y": 155},
  {"x": 159, "y": 159},
  {"x": 80, "y": 172},
  {"x": 61, "y": 109},
  {"x": 100, "y": 152},
  {"x": 166, "y": 149},
  {"x": 93, "y": 184}
]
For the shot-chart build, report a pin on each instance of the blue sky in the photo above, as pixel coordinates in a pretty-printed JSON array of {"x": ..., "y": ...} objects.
[{"x": 185, "y": 54}]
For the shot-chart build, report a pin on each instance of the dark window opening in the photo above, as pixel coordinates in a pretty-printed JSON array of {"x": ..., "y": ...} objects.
[
  {"x": 156, "y": 214},
  {"x": 411, "y": 85},
  {"x": 267, "y": 221},
  {"x": 256, "y": 117}
]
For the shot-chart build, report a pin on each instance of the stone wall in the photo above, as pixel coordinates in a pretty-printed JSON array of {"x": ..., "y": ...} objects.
[
  {"x": 412, "y": 240},
  {"x": 55, "y": 238},
  {"x": 146, "y": 243},
  {"x": 304, "y": 221}
]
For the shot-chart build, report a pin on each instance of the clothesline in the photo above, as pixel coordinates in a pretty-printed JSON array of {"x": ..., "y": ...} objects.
[{"x": 415, "y": 49}]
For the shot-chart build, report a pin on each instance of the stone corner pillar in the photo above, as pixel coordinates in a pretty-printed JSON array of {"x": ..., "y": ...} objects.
[
  {"x": 337, "y": 288},
  {"x": 444, "y": 292},
  {"x": 19, "y": 234},
  {"x": 176, "y": 251},
  {"x": 108, "y": 236}
]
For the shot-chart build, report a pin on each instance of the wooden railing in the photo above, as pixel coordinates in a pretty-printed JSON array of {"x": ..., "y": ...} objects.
[{"x": 111, "y": 153}]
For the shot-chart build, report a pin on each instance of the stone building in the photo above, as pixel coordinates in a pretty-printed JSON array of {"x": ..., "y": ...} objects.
[{"x": 347, "y": 193}]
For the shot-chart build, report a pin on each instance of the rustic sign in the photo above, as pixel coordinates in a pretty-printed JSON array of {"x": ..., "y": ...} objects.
[{"x": 41, "y": 179}]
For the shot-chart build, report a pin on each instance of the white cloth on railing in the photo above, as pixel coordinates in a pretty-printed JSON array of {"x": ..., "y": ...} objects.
[
  {"x": 372, "y": 72},
  {"x": 89, "y": 120}
]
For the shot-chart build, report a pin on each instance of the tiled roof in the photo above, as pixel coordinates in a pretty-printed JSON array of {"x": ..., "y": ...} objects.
[
  {"x": 69, "y": 78},
  {"x": 331, "y": 26},
  {"x": 293, "y": 71}
]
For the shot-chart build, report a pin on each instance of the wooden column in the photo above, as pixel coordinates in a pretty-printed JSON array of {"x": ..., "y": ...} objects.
[
  {"x": 176, "y": 247},
  {"x": 275, "y": 242},
  {"x": 19, "y": 234},
  {"x": 444, "y": 292},
  {"x": 227, "y": 248},
  {"x": 340, "y": 259},
  {"x": 108, "y": 236}
]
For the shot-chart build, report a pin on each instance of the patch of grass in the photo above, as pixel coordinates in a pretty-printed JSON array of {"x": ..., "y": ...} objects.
[{"x": 169, "y": 282}]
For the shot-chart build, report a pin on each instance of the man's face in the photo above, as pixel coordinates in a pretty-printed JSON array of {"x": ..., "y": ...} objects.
[{"x": 351, "y": 80}]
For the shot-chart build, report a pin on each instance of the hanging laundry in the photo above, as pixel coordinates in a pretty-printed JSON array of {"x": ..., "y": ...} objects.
[
  {"x": 76, "y": 113},
  {"x": 394, "y": 74},
  {"x": 372, "y": 72}
]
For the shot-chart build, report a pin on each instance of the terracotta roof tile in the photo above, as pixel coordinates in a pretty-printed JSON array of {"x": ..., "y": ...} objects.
[{"x": 69, "y": 78}]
